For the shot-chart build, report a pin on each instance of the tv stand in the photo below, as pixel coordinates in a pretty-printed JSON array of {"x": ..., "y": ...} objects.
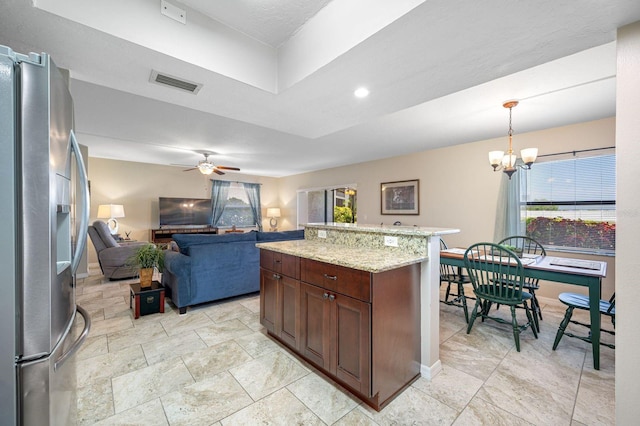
[{"x": 163, "y": 235}]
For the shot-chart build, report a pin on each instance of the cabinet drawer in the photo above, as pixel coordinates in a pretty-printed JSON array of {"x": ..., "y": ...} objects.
[
  {"x": 290, "y": 266},
  {"x": 347, "y": 281},
  {"x": 271, "y": 260},
  {"x": 280, "y": 263}
]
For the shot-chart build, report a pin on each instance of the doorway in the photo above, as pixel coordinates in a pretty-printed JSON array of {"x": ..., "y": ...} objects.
[{"x": 328, "y": 204}]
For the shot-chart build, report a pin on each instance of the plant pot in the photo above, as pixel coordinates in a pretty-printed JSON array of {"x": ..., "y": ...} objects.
[{"x": 146, "y": 276}]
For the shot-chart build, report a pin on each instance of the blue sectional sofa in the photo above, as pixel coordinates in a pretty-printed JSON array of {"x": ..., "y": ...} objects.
[{"x": 213, "y": 267}]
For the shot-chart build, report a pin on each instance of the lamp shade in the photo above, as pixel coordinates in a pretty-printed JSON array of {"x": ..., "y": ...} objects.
[
  {"x": 509, "y": 161},
  {"x": 529, "y": 155},
  {"x": 108, "y": 211},
  {"x": 111, "y": 212},
  {"x": 495, "y": 157},
  {"x": 273, "y": 212}
]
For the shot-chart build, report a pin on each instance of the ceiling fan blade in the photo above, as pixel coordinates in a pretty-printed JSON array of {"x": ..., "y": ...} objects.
[
  {"x": 218, "y": 171},
  {"x": 188, "y": 170},
  {"x": 228, "y": 168}
]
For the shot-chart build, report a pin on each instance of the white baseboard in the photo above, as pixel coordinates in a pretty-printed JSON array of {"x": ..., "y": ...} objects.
[{"x": 430, "y": 372}]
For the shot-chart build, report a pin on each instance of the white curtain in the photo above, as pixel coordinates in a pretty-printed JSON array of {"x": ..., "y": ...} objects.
[{"x": 512, "y": 198}]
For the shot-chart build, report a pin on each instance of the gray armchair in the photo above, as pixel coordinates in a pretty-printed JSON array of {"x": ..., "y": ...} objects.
[{"x": 112, "y": 256}]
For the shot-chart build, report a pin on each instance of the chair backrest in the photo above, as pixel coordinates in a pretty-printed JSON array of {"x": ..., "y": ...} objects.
[
  {"x": 495, "y": 272},
  {"x": 525, "y": 244},
  {"x": 446, "y": 271},
  {"x": 101, "y": 236}
]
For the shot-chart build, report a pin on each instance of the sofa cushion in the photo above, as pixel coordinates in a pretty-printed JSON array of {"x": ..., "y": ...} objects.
[
  {"x": 105, "y": 234},
  {"x": 298, "y": 234},
  {"x": 185, "y": 241}
]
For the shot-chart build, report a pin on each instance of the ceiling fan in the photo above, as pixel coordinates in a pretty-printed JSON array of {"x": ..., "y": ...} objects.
[{"x": 207, "y": 167}]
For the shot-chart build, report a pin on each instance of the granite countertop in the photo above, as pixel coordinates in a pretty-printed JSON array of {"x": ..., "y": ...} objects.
[
  {"x": 425, "y": 231},
  {"x": 365, "y": 259}
]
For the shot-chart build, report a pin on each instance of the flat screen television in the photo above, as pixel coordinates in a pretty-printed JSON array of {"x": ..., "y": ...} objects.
[{"x": 184, "y": 212}]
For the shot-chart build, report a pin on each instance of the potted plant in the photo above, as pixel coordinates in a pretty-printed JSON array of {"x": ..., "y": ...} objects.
[{"x": 147, "y": 257}]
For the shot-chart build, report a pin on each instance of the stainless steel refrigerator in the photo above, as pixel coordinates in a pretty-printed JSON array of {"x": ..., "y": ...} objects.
[{"x": 43, "y": 225}]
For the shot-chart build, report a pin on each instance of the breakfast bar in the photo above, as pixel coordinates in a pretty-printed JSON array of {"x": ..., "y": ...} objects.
[{"x": 358, "y": 301}]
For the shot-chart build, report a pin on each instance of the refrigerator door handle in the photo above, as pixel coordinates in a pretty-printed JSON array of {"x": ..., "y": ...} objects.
[
  {"x": 79, "y": 341},
  {"x": 84, "y": 214}
]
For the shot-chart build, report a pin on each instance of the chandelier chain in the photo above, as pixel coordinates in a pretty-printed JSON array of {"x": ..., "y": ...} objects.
[{"x": 510, "y": 128}]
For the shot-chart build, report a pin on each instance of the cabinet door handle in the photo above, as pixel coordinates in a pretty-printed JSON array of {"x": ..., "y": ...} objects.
[
  {"x": 332, "y": 297},
  {"x": 277, "y": 261},
  {"x": 330, "y": 277},
  {"x": 276, "y": 277},
  {"x": 325, "y": 296}
]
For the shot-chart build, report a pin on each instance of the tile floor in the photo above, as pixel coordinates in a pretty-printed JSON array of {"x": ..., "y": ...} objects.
[{"x": 215, "y": 366}]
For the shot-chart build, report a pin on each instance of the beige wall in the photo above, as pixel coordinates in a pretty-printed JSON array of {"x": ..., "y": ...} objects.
[
  {"x": 628, "y": 230},
  {"x": 457, "y": 186},
  {"x": 137, "y": 187}
]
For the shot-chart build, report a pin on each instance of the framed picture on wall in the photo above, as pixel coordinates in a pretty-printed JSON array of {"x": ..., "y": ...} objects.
[{"x": 400, "y": 197}]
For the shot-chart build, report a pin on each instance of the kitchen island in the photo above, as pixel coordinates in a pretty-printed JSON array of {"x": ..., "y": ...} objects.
[{"x": 358, "y": 301}]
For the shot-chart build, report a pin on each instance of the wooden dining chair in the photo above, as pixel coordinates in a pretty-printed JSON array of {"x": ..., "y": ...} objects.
[
  {"x": 452, "y": 277},
  {"x": 497, "y": 276},
  {"x": 580, "y": 301},
  {"x": 528, "y": 246}
]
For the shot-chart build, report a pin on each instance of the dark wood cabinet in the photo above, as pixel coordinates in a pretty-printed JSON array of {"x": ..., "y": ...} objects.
[
  {"x": 353, "y": 342},
  {"x": 316, "y": 333},
  {"x": 336, "y": 335},
  {"x": 280, "y": 296},
  {"x": 360, "y": 328},
  {"x": 289, "y": 310},
  {"x": 268, "y": 299}
]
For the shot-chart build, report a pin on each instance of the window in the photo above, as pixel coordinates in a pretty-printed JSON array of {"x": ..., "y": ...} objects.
[
  {"x": 571, "y": 205},
  {"x": 330, "y": 204},
  {"x": 237, "y": 210}
]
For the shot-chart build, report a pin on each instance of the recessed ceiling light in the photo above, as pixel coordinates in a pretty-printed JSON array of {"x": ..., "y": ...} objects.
[{"x": 361, "y": 92}]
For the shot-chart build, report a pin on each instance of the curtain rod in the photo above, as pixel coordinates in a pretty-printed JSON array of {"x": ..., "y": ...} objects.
[
  {"x": 235, "y": 181},
  {"x": 577, "y": 151}
]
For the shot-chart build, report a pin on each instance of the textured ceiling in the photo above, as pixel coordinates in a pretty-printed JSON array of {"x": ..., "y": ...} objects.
[
  {"x": 277, "y": 103},
  {"x": 270, "y": 21}
]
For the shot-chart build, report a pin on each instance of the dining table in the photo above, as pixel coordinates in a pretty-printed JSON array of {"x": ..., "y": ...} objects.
[{"x": 580, "y": 272}]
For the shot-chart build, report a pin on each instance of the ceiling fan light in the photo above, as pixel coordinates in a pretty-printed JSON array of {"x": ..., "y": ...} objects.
[{"x": 205, "y": 167}]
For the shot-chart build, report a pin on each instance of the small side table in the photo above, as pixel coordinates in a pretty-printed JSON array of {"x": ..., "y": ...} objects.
[{"x": 149, "y": 300}]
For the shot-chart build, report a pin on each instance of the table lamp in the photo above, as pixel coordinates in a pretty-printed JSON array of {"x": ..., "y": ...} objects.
[
  {"x": 111, "y": 212},
  {"x": 273, "y": 213}
]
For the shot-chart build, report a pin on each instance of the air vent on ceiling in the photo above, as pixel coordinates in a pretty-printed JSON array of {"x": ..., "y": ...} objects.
[{"x": 167, "y": 80}]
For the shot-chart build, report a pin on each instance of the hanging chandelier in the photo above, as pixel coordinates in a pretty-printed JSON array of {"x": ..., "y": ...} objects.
[{"x": 507, "y": 163}]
